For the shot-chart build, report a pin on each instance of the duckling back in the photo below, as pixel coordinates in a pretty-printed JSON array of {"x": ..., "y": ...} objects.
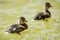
[
  {"x": 12, "y": 28},
  {"x": 39, "y": 16},
  {"x": 21, "y": 28}
]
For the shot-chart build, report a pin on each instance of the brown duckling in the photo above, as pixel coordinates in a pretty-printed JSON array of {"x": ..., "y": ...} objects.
[
  {"x": 45, "y": 14},
  {"x": 17, "y": 28},
  {"x": 22, "y": 25}
]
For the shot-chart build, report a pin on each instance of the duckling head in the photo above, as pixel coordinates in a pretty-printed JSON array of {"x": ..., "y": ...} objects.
[
  {"x": 47, "y": 5},
  {"x": 22, "y": 20}
]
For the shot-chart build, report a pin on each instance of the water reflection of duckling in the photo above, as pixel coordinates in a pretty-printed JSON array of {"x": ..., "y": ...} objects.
[
  {"x": 45, "y": 14},
  {"x": 17, "y": 28}
]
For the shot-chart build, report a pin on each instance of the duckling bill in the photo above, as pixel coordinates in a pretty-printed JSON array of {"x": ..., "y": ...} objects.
[{"x": 44, "y": 15}]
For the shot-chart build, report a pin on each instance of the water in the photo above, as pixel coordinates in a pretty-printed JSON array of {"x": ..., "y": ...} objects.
[{"x": 11, "y": 10}]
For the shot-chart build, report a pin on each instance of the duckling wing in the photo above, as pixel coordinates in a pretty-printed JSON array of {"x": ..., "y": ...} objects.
[
  {"x": 13, "y": 28},
  {"x": 39, "y": 16},
  {"x": 23, "y": 26}
]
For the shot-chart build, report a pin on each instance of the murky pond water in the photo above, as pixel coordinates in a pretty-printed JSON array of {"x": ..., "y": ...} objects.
[{"x": 11, "y": 10}]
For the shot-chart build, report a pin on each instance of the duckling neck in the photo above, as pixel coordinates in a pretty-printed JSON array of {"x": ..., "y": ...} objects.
[{"x": 47, "y": 11}]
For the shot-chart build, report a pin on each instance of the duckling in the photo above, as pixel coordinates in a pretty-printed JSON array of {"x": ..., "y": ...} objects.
[
  {"x": 22, "y": 25},
  {"x": 44, "y": 15},
  {"x": 17, "y": 28}
]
